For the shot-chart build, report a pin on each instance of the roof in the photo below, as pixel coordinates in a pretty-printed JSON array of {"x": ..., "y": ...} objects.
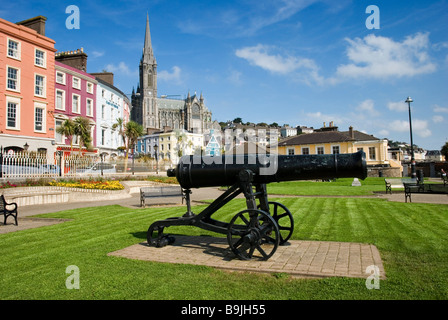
[
  {"x": 326, "y": 137},
  {"x": 164, "y": 103}
]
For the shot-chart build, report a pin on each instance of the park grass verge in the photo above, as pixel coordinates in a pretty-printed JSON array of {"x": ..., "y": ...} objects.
[
  {"x": 338, "y": 187},
  {"x": 411, "y": 238}
]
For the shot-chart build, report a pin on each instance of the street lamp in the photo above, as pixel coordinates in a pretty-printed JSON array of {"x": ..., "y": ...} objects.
[
  {"x": 413, "y": 172},
  {"x": 156, "y": 155}
]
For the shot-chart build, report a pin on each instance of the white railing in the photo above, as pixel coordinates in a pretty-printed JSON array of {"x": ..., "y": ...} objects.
[{"x": 32, "y": 165}]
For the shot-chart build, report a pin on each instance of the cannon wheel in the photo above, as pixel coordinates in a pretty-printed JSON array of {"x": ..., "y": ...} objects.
[
  {"x": 156, "y": 238},
  {"x": 253, "y": 233},
  {"x": 284, "y": 219}
]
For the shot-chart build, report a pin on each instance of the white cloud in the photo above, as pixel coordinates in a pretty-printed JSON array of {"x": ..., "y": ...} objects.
[
  {"x": 381, "y": 57},
  {"x": 122, "y": 68},
  {"x": 174, "y": 76},
  {"x": 397, "y": 106},
  {"x": 419, "y": 127},
  {"x": 97, "y": 54},
  {"x": 235, "y": 77},
  {"x": 259, "y": 56},
  {"x": 367, "y": 108},
  {"x": 437, "y": 119},
  {"x": 440, "y": 109}
]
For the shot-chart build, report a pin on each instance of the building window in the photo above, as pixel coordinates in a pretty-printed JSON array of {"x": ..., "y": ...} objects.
[
  {"x": 335, "y": 149},
  {"x": 103, "y": 112},
  {"x": 306, "y": 150},
  {"x": 372, "y": 153},
  {"x": 39, "y": 89},
  {"x": 13, "y": 76},
  {"x": 60, "y": 77},
  {"x": 60, "y": 99},
  {"x": 320, "y": 150},
  {"x": 40, "y": 58},
  {"x": 39, "y": 118},
  {"x": 13, "y": 49},
  {"x": 57, "y": 136},
  {"x": 290, "y": 151},
  {"x": 89, "y": 107},
  {"x": 76, "y": 83},
  {"x": 12, "y": 115},
  {"x": 102, "y": 93},
  {"x": 360, "y": 149},
  {"x": 75, "y": 104},
  {"x": 89, "y": 87}
]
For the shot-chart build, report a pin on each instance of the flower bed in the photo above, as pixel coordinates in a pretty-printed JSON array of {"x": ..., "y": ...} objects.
[{"x": 90, "y": 184}]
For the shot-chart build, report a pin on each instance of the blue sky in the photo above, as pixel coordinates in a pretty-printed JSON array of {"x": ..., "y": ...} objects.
[{"x": 299, "y": 62}]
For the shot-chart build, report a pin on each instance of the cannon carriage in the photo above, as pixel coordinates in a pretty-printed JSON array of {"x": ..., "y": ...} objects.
[{"x": 257, "y": 231}]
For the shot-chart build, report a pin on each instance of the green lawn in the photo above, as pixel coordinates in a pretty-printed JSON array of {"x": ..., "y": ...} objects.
[
  {"x": 412, "y": 239},
  {"x": 340, "y": 187}
]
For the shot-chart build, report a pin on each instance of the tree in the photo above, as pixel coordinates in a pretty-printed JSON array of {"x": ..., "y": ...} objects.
[
  {"x": 238, "y": 120},
  {"x": 67, "y": 129},
  {"x": 82, "y": 130},
  {"x": 121, "y": 127},
  {"x": 444, "y": 151},
  {"x": 132, "y": 131}
]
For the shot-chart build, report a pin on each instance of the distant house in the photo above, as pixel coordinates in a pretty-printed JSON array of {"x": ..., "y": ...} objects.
[
  {"x": 434, "y": 155},
  {"x": 329, "y": 140}
]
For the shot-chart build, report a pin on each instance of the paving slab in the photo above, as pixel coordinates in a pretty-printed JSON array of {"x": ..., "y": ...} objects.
[{"x": 307, "y": 259}]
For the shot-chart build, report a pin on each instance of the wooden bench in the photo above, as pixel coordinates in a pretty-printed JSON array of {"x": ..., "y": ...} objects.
[
  {"x": 8, "y": 212},
  {"x": 410, "y": 188},
  {"x": 159, "y": 192},
  {"x": 397, "y": 183}
]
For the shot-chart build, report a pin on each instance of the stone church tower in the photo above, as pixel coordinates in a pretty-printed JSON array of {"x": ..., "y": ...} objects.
[{"x": 155, "y": 113}]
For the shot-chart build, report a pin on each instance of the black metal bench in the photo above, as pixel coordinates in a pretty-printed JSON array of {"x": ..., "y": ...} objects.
[
  {"x": 160, "y": 192},
  {"x": 399, "y": 183},
  {"x": 8, "y": 212},
  {"x": 410, "y": 188}
]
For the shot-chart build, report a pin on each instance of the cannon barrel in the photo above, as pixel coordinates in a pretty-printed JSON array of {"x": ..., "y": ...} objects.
[{"x": 212, "y": 171}]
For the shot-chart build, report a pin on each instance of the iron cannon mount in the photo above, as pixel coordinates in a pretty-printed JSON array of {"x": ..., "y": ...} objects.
[{"x": 256, "y": 232}]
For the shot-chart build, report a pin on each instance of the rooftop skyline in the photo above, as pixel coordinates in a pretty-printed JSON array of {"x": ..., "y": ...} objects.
[{"x": 301, "y": 62}]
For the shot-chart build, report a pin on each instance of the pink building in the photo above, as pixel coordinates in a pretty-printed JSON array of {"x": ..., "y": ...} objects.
[
  {"x": 26, "y": 86},
  {"x": 75, "y": 96}
]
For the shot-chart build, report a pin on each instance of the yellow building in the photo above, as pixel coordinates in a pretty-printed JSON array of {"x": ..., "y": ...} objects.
[{"x": 330, "y": 141}]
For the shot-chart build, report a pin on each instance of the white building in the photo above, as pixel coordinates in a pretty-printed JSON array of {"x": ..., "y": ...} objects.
[{"x": 111, "y": 105}]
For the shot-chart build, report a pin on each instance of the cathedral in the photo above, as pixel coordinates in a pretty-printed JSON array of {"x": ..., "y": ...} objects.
[{"x": 159, "y": 113}]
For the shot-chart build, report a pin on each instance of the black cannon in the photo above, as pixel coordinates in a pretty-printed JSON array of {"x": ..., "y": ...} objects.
[{"x": 257, "y": 231}]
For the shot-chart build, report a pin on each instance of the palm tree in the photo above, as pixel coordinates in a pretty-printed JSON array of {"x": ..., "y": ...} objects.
[
  {"x": 133, "y": 131},
  {"x": 121, "y": 129},
  {"x": 67, "y": 129},
  {"x": 82, "y": 130}
]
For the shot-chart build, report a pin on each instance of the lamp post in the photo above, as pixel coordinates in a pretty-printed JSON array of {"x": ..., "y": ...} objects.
[
  {"x": 156, "y": 155},
  {"x": 413, "y": 172}
]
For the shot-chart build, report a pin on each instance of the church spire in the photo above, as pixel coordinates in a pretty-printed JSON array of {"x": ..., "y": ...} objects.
[{"x": 148, "y": 55}]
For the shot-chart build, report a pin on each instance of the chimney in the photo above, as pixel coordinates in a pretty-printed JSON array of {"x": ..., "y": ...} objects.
[
  {"x": 351, "y": 133},
  {"x": 105, "y": 76},
  {"x": 36, "y": 23},
  {"x": 76, "y": 59}
]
